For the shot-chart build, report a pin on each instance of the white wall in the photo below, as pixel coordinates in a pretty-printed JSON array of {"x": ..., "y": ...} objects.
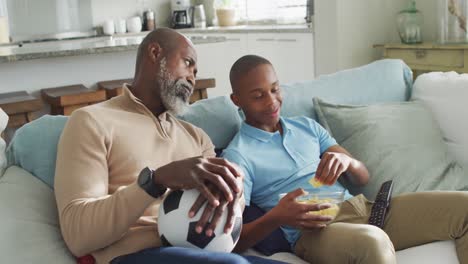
[
  {"x": 33, "y": 17},
  {"x": 345, "y": 31}
]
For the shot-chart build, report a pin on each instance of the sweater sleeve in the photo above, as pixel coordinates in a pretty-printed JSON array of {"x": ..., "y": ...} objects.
[
  {"x": 90, "y": 218},
  {"x": 208, "y": 149}
]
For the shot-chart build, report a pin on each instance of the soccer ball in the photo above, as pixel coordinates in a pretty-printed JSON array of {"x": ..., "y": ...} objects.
[{"x": 177, "y": 229}]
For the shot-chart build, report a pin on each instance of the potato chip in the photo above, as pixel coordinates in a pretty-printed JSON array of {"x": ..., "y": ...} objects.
[{"x": 314, "y": 182}]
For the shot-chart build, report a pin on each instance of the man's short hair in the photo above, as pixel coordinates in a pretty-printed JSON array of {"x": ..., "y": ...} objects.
[
  {"x": 242, "y": 66},
  {"x": 168, "y": 39}
]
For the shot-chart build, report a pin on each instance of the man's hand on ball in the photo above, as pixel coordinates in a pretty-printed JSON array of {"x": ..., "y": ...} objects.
[
  {"x": 197, "y": 173},
  {"x": 215, "y": 212}
]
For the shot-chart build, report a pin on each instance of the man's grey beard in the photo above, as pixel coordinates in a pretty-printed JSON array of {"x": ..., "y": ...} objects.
[{"x": 174, "y": 94}]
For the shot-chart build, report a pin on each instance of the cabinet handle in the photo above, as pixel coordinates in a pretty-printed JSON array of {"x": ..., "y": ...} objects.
[
  {"x": 287, "y": 40},
  {"x": 233, "y": 39},
  {"x": 420, "y": 54},
  {"x": 207, "y": 37},
  {"x": 265, "y": 39}
]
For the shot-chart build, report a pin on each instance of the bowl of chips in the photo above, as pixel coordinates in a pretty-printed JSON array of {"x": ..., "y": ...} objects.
[{"x": 334, "y": 198}]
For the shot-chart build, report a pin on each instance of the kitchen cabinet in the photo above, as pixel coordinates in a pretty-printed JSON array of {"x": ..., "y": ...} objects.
[
  {"x": 290, "y": 53},
  {"x": 215, "y": 60}
]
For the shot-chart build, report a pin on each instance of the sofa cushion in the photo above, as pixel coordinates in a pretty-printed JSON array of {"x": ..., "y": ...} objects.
[
  {"x": 29, "y": 226},
  {"x": 34, "y": 147},
  {"x": 445, "y": 94},
  {"x": 399, "y": 141},
  {"x": 381, "y": 81},
  {"x": 217, "y": 116}
]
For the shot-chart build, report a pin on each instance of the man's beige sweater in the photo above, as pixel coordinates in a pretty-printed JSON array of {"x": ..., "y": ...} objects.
[{"x": 101, "y": 152}]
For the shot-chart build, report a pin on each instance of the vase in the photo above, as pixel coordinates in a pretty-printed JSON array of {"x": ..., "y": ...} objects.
[
  {"x": 409, "y": 24},
  {"x": 226, "y": 17}
]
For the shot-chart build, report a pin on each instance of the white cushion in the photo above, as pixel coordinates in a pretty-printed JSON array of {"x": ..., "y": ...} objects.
[
  {"x": 446, "y": 93},
  {"x": 29, "y": 228},
  {"x": 3, "y": 124},
  {"x": 432, "y": 253}
]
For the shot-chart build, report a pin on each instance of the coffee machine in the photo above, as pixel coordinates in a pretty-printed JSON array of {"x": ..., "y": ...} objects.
[{"x": 181, "y": 14}]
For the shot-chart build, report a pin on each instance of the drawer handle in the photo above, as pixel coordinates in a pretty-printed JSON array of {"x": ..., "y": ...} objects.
[
  {"x": 420, "y": 54},
  {"x": 287, "y": 40},
  {"x": 265, "y": 39}
]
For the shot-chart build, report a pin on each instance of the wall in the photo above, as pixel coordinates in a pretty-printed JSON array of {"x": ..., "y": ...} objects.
[
  {"x": 345, "y": 31},
  {"x": 33, "y": 17}
]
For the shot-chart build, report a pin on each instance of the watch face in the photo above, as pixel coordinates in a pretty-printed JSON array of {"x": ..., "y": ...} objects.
[{"x": 144, "y": 177}]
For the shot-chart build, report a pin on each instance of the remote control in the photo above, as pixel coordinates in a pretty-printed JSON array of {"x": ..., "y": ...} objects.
[
  {"x": 385, "y": 192},
  {"x": 382, "y": 201}
]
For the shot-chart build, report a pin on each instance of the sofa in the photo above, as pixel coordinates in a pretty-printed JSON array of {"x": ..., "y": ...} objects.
[{"x": 29, "y": 228}]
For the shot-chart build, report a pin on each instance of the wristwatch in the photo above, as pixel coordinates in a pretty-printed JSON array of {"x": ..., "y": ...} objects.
[{"x": 146, "y": 182}]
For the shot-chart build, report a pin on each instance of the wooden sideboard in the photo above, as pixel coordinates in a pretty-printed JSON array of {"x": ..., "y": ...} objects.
[{"x": 427, "y": 57}]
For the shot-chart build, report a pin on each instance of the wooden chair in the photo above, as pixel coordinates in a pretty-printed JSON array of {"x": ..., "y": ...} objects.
[
  {"x": 19, "y": 106},
  {"x": 64, "y": 100},
  {"x": 114, "y": 88}
]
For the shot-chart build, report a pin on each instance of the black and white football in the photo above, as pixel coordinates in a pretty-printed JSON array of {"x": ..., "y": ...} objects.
[{"x": 177, "y": 229}]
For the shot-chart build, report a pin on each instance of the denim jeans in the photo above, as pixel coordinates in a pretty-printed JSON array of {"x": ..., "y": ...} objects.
[{"x": 176, "y": 255}]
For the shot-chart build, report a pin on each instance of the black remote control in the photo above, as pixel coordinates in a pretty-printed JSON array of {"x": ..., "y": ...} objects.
[{"x": 381, "y": 203}]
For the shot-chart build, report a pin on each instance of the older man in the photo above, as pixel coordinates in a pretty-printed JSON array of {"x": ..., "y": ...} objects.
[{"x": 107, "y": 190}]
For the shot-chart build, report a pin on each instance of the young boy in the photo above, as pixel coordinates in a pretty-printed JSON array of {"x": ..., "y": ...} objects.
[{"x": 280, "y": 155}]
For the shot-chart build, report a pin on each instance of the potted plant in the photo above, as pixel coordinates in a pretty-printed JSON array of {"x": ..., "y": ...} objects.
[{"x": 226, "y": 13}]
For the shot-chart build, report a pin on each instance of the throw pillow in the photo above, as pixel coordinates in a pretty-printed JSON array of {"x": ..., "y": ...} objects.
[
  {"x": 217, "y": 116},
  {"x": 3, "y": 124},
  {"x": 445, "y": 94},
  {"x": 34, "y": 147},
  {"x": 399, "y": 141}
]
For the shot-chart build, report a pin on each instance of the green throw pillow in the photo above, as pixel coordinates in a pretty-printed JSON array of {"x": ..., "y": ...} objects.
[{"x": 399, "y": 141}]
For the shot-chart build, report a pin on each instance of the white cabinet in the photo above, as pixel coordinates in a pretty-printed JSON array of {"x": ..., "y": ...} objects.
[
  {"x": 292, "y": 55},
  {"x": 215, "y": 60}
]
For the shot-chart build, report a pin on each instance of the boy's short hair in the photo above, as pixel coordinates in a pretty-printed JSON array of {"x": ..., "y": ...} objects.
[{"x": 242, "y": 66}]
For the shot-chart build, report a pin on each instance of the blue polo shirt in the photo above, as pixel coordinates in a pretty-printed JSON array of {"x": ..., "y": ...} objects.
[{"x": 275, "y": 163}]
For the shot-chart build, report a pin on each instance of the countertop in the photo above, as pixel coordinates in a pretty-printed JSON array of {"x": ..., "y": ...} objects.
[
  {"x": 63, "y": 48},
  {"x": 126, "y": 42},
  {"x": 301, "y": 28}
]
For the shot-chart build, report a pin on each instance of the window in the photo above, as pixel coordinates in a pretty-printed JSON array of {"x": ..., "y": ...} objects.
[{"x": 271, "y": 11}]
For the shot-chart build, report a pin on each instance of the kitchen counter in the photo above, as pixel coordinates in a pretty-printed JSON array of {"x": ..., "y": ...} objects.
[
  {"x": 97, "y": 45},
  {"x": 300, "y": 28},
  {"x": 127, "y": 42}
]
